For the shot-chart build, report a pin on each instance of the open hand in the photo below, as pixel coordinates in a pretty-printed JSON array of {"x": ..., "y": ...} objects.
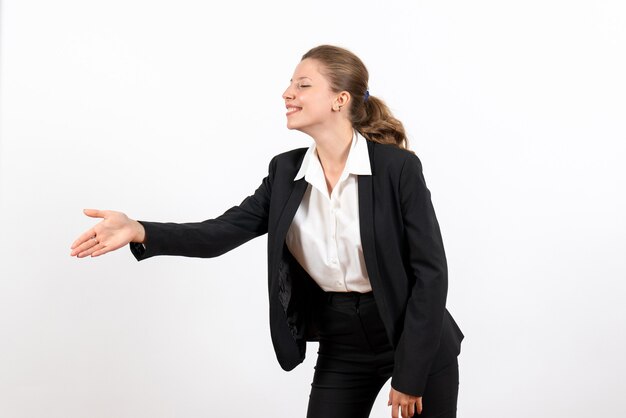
[
  {"x": 406, "y": 403},
  {"x": 114, "y": 231}
]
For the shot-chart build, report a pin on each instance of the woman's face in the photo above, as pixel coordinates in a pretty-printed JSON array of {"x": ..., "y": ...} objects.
[{"x": 309, "y": 99}]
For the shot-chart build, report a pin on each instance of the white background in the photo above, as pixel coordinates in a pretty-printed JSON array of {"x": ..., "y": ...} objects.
[{"x": 171, "y": 111}]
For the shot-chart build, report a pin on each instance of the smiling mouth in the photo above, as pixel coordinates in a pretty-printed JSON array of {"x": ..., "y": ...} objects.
[{"x": 291, "y": 110}]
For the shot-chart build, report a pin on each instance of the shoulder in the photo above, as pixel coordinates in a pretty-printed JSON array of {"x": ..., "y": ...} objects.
[
  {"x": 392, "y": 160},
  {"x": 288, "y": 161},
  {"x": 294, "y": 154}
]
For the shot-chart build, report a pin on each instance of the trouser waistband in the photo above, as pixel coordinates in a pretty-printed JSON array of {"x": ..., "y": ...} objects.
[{"x": 346, "y": 298}]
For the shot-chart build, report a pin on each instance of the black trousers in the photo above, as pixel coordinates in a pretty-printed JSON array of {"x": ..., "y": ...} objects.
[{"x": 355, "y": 359}]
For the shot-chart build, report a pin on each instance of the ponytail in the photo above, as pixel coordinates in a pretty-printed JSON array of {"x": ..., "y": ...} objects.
[{"x": 377, "y": 124}]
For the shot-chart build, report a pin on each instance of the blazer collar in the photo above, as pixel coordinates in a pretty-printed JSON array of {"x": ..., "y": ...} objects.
[
  {"x": 358, "y": 162},
  {"x": 366, "y": 199}
]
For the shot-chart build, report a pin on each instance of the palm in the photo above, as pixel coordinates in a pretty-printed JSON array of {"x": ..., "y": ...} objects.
[{"x": 115, "y": 230}]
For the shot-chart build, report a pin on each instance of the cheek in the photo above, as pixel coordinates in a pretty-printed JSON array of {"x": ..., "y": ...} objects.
[{"x": 319, "y": 103}]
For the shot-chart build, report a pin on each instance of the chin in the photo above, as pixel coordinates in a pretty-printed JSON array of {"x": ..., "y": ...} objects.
[{"x": 291, "y": 126}]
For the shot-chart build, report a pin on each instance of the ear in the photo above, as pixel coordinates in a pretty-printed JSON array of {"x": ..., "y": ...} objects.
[{"x": 342, "y": 99}]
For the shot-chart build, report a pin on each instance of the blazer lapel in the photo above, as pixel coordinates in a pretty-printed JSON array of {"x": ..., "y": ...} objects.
[
  {"x": 368, "y": 237},
  {"x": 281, "y": 283},
  {"x": 366, "y": 224},
  {"x": 366, "y": 220},
  {"x": 284, "y": 222},
  {"x": 289, "y": 211}
]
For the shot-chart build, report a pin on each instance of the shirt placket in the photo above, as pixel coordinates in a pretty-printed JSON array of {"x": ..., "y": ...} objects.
[{"x": 332, "y": 245}]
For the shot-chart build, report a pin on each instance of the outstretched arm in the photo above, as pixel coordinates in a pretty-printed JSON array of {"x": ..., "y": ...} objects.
[{"x": 209, "y": 238}]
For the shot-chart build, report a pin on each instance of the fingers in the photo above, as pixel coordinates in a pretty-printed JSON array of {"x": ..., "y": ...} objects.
[
  {"x": 87, "y": 235},
  {"x": 94, "y": 213},
  {"x": 408, "y": 409},
  {"x": 97, "y": 250},
  {"x": 406, "y": 404},
  {"x": 91, "y": 251},
  {"x": 402, "y": 410},
  {"x": 394, "y": 411},
  {"x": 86, "y": 246},
  {"x": 94, "y": 248},
  {"x": 394, "y": 403},
  {"x": 83, "y": 238},
  {"x": 103, "y": 249}
]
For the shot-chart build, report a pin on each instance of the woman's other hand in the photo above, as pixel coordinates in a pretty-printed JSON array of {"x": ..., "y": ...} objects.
[
  {"x": 114, "y": 231},
  {"x": 408, "y": 404}
]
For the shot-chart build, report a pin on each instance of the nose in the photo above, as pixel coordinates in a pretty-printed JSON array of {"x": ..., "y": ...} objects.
[{"x": 288, "y": 93}]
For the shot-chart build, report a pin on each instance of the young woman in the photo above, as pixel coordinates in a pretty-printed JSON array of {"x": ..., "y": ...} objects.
[{"x": 355, "y": 256}]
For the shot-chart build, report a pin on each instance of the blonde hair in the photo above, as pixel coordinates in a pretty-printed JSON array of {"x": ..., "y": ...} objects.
[{"x": 369, "y": 115}]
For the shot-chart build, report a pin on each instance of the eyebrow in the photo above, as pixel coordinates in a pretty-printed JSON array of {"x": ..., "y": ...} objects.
[{"x": 301, "y": 78}]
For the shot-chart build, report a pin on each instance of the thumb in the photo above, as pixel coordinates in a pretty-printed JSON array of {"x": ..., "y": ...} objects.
[{"x": 93, "y": 213}]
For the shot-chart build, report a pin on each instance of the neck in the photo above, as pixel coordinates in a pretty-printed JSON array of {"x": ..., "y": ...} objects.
[{"x": 333, "y": 147}]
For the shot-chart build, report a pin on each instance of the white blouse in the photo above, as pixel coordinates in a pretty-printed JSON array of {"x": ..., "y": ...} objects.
[{"x": 324, "y": 236}]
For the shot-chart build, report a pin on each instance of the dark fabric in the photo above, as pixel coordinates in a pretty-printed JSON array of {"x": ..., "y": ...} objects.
[
  {"x": 402, "y": 249},
  {"x": 355, "y": 359}
]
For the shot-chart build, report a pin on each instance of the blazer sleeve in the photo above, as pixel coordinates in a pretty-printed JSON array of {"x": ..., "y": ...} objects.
[
  {"x": 428, "y": 277},
  {"x": 212, "y": 237}
]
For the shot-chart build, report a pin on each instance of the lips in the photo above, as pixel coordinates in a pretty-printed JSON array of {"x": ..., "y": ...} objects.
[{"x": 293, "y": 109}]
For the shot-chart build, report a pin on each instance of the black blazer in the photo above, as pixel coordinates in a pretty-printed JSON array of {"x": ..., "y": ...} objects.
[{"x": 402, "y": 247}]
